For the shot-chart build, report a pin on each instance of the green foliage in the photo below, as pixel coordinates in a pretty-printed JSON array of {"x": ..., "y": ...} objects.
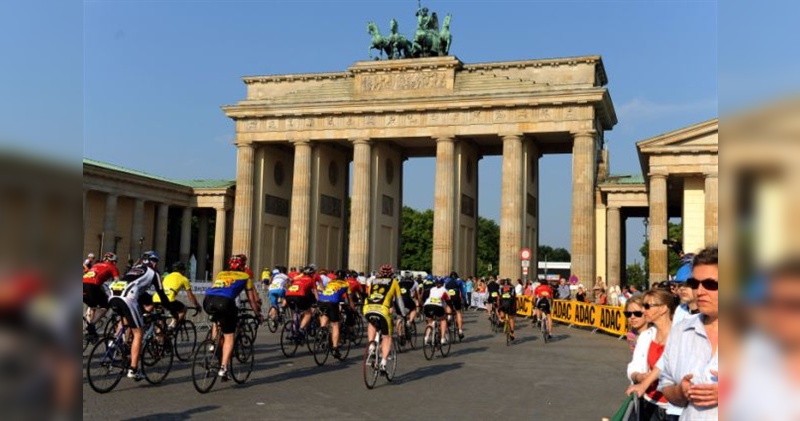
[
  {"x": 675, "y": 232},
  {"x": 417, "y": 244},
  {"x": 635, "y": 275},
  {"x": 488, "y": 247},
  {"x": 550, "y": 254}
]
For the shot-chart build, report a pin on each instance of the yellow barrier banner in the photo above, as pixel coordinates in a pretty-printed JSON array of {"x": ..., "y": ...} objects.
[
  {"x": 606, "y": 318},
  {"x": 524, "y": 305}
]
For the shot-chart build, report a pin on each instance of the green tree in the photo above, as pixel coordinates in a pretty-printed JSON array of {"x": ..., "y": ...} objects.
[
  {"x": 635, "y": 275},
  {"x": 551, "y": 254},
  {"x": 488, "y": 247},
  {"x": 674, "y": 232},
  {"x": 417, "y": 244}
]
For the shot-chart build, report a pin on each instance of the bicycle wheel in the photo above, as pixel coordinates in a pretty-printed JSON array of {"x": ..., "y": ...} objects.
[
  {"x": 205, "y": 365},
  {"x": 344, "y": 342},
  {"x": 273, "y": 322},
  {"x": 370, "y": 367},
  {"x": 321, "y": 347},
  {"x": 185, "y": 340},
  {"x": 289, "y": 341},
  {"x": 545, "y": 333},
  {"x": 243, "y": 358},
  {"x": 391, "y": 363},
  {"x": 106, "y": 366},
  {"x": 111, "y": 325},
  {"x": 358, "y": 331},
  {"x": 444, "y": 348},
  {"x": 157, "y": 357},
  {"x": 429, "y": 347},
  {"x": 411, "y": 335},
  {"x": 507, "y": 331}
]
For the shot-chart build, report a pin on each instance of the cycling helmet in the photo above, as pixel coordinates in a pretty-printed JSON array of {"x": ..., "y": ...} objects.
[
  {"x": 341, "y": 274},
  {"x": 429, "y": 277},
  {"x": 150, "y": 255},
  {"x": 178, "y": 267},
  {"x": 111, "y": 257},
  {"x": 386, "y": 271},
  {"x": 237, "y": 262},
  {"x": 309, "y": 270},
  {"x": 439, "y": 280}
]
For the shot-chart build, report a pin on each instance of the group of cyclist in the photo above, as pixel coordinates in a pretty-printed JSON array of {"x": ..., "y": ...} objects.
[
  {"x": 502, "y": 300},
  {"x": 333, "y": 294}
]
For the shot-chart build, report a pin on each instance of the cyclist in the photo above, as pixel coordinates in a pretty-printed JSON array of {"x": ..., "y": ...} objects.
[
  {"x": 543, "y": 303},
  {"x": 88, "y": 262},
  {"x": 356, "y": 289},
  {"x": 409, "y": 291},
  {"x": 380, "y": 293},
  {"x": 277, "y": 291},
  {"x": 303, "y": 294},
  {"x": 94, "y": 294},
  {"x": 457, "y": 292},
  {"x": 220, "y": 303},
  {"x": 336, "y": 293},
  {"x": 507, "y": 303},
  {"x": 128, "y": 303},
  {"x": 493, "y": 289},
  {"x": 434, "y": 307},
  {"x": 173, "y": 284}
]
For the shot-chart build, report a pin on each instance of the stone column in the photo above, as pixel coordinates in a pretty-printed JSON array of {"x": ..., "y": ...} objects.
[
  {"x": 186, "y": 235},
  {"x": 583, "y": 218},
  {"x": 137, "y": 229},
  {"x": 243, "y": 214},
  {"x": 711, "y": 209},
  {"x": 613, "y": 245},
  {"x": 219, "y": 241},
  {"x": 511, "y": 207},
  {"x": 202, "y": 243},
  {"x": 658, "y": 227},
  {"x": 301, "y": 205},
  {"x": 444, "y": 205},
  {"x": 360, "y": 207},
  {"x": 110, "y": 224},
  {"x": 162, "y": 217}
]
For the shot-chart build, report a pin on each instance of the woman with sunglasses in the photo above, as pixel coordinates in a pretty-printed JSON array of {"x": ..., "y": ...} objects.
[
  {"x": 659, "y": 306},
  {"x": 634, "y": 313}
]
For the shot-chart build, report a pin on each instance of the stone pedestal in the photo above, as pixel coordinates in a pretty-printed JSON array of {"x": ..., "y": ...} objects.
[
  {"x": 360, "y": 205},
  {"x": 301, "y": 205},
  {"x": 444, "y": 206},
  {"x": 658, "y": 227},
  {"x": 243, "y": 215},
  {"x": 512, "y": 207},
  {"x": 583, "y": 184}
]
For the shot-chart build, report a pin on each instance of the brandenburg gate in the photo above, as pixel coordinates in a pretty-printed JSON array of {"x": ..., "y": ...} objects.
[{"x": 296, "y": 135}]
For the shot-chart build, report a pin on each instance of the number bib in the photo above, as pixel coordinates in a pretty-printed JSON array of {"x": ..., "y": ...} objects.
[
  {"x": 294, "y": 288},
  {"x": 117, "y": 287},
  {"x": 452, "y": 292},
  {"x": 506, "y": 296},
  {"x": 436, "y": 300}
]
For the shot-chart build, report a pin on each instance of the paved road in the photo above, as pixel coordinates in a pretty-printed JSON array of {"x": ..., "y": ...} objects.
[{"x": 579, "y": 376}]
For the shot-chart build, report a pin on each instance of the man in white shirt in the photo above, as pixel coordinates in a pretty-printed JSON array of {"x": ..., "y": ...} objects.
[{"x": 518, "y": 288}]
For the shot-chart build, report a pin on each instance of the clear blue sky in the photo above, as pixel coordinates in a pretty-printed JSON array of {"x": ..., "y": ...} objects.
[{"x": 150, "y": 76}]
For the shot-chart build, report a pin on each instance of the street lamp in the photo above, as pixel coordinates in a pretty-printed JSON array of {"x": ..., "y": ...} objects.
[{"x": 646, "y": 222}]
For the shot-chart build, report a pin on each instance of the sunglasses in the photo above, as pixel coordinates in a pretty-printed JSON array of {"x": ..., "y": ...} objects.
[
  {"x": 633, "y": 313},
  {"x": 648, "y": 306},
  {"x": 708, "y": 284}
]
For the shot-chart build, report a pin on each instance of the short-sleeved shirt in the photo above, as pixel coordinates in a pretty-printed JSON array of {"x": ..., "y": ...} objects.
[
  {"x": 507, "y": 294},
  {"x": 335, "y": 291},
  {"x": 455, "y": 290},
  {"x": 355, "y": 286},
  {"x": 543, "y": 291},
  {"x": 230, "y": 284},
  {"x": 279, "y": 282},
  {"x": 173, "y": 284},
  {"x": 101, "y": 272},
  {"x": 493, "y": 288},
  {"x": 437, "y": 296},
  {"x": 382, "y": 292},
  {"x": 301, "y": 286}
]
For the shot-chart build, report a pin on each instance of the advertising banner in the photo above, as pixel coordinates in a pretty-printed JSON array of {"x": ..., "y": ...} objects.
[{"x": 606, "y": 318}]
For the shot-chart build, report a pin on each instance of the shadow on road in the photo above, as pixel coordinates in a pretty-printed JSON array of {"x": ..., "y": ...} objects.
[
  {"x": 467, "y": 351},
  {"x": 175, "y": 416},
  {"x": 425, "y": 372},
  {"x": 469, "y": 339}
]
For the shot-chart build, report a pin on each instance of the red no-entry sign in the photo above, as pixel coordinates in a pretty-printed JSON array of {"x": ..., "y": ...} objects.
[{"x": 525, "y": 254}]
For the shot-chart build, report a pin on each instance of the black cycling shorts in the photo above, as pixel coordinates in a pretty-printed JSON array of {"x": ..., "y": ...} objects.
[
  {"x": 94, "y": 296},
  {"x": 331, "y": 310},
  {"x": 432, "y": 311},
  {"x": 543, "y": 304},
  {"x": 222, "y": 309},
  {"x": 175, "y": 306},
  {"x": 410, "y": 306},
  {"x": 300, "y": 303},
  {"x": 508, "y": 307},
  {"x": 455, "y": 303}
]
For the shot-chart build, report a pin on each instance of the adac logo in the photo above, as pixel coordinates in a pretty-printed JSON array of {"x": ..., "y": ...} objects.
[
  {"x": 562, "y": 310},
  {"x": 610, "y": 319}
]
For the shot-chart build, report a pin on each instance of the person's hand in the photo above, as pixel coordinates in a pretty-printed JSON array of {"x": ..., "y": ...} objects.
[
  {"x": 704, "y": 394},
  {"x": 197, "y": 310},
  {"x": 638, "y": 389},
  {"x": 686, "y": 384}
]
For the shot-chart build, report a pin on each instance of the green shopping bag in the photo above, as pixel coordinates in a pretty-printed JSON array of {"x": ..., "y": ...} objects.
[{"x": 629, "y": 410}]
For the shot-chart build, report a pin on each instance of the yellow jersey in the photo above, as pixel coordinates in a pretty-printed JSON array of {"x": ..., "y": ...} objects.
[{"x": 173, "y": 284}]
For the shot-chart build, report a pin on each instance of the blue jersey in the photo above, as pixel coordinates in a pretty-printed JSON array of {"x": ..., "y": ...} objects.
[
  {"x": 230, "y": 284},
  {"x": 335, "y": 291},
  {"x": 455, "y": 288}
]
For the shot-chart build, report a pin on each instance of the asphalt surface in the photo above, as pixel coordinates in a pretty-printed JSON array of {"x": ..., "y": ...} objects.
[{"x": 579, "y": 375}]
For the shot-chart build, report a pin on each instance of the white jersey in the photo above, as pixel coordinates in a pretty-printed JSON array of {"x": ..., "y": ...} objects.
[
  {"x": 437, "y": 296},
  {"x": 279, "y": 282}
]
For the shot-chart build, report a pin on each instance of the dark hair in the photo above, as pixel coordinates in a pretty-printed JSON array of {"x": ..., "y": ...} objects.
[
  {"x": 706, "y": 256},
  {"x": 663, "y": 297}
]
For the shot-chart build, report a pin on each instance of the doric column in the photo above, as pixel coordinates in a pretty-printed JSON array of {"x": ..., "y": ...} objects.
[
  {"x": 360, "y": 206},
  {"x": 162, "y": 216},
  {"x": 658, "y": 227},
  {"x": 202, "y": 243},
  {"x": 511, "y": 207},
  {"x": 444, "y": 205},
  {"x": 110, "y": 224},
  {"x": 583, "y": 218},
  {"x": 301, "y": 205},
  {"x": 219, "y": 241},
  {"x": 613, "y": 245},
  {"x": 711, "y": 208},
  {"x": 243, "y": 214},
  {"x": 137, "y": 229},
  {"x": 186, "y": 235}
]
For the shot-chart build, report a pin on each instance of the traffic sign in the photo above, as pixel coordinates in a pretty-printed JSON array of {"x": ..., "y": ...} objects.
[
  {"x": 526, "y": 263},
  {"x": 525, "y": 254},
  {"x": 524, "y": 270}
]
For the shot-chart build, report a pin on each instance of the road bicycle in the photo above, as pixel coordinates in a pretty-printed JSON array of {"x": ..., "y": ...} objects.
[
  {"x": 184, "y": 337},
  {"x": 371, "y": 366},
  {"x": 110, "y": 358},
  {"x": 292, "y": 337},
  {"x": 543, "y": 327},
  {"x": 494, "y": 321},
  {"x": 323, "y": 343},
  {"x": 433, "y": 340},
  {"x": 208, "y": 357},
  {"x": 406, "y": 332},
  {"x": 507, "y": 329}
]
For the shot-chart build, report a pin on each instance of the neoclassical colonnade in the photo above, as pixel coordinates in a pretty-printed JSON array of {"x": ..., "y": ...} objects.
[
  {"x": 296, "y": 135},
  {"x": 128, "y": 212}
]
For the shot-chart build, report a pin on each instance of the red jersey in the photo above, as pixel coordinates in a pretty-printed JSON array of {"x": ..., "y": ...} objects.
[
  {"x": 293, "y": 274},
  {"x": 301, "y": 286},
  {"x": 101, "y": 272},
  {"x": 355, "y": 286},
  {"x": 543, "y": 291}
]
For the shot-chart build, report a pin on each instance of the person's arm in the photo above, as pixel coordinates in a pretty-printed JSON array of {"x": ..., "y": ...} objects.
[
  {"x": 675, "y": 392},
  {"x": 640, "y": 387},
  {"x": 638, "y": 365},
  {"x": 252, "y": 298}
]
